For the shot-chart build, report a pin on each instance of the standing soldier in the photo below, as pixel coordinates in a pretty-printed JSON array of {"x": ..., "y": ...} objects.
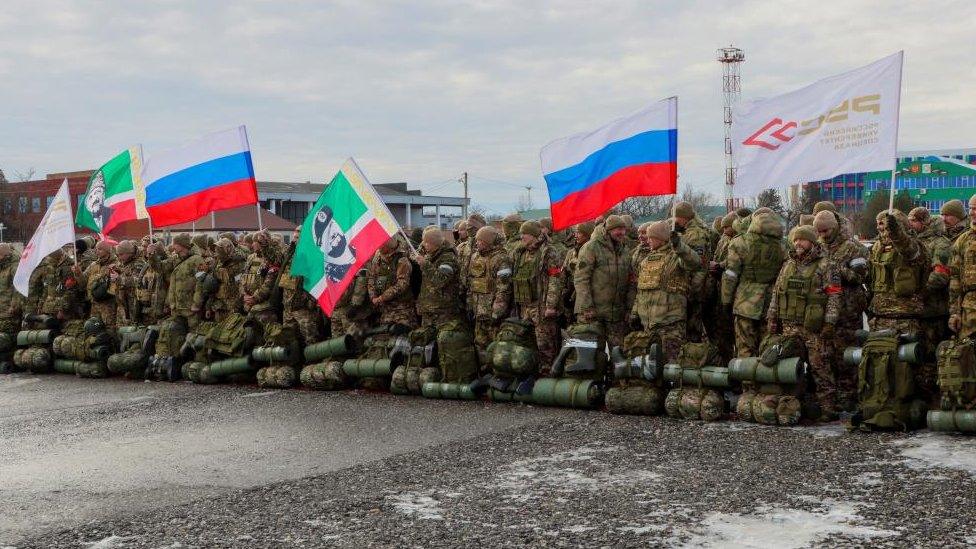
[
  {"x": 225, "y": 273},
  {"x": 460, "y": 233},
  {"x": 511, "y": 224},
  {"x": 604, "y": 292},
  {"x": 388, "y": 283},
  {"x": 536, "y": 267},
  {"x": 61, "y": 294},
  {"x": 849, "y": 261},
  {"x": 663, "y": 282},
  {"x": 962, "y": 281},
  {"x": 754, "y": 262},
  {"x": 806, "y": 305},
  {"x": 353, "y": 307},
  {"x": 643, "y": 246},
  {"x": 694, "y": 233},
  {"x": 467, "y": 249},
  {"x": 125, "y": 283},
  {"x": 152, "y": 289},
  {"x": 489, "y": 285},
  {"x": 955, "y": 218},
  {"x": 96, "y": 280},
  {"x": 567, "y": 289},
  {"x": 300, "y": 311},
  {"x": 260, "y": 279},
  {"x": 719, "y": 322},
  {"x": 935, "y": 310},
  {"x": 439, "y": 299},
  {"x": 10, "y": 300},
  {"x": 630, "y": 243},
  {"x": 546, "y": 224},
  {"x": 180, "y": 269}
]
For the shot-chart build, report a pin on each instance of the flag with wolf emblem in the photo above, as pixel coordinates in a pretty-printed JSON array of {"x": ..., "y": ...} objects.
[
  {"x": 348, "y": 223},
  {"x": 115, "y": 194}
]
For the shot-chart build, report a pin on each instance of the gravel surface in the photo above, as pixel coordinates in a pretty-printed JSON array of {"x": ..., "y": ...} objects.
[{"x": 589, "y": 479}]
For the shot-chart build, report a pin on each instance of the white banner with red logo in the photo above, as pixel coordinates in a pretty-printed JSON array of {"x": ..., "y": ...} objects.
[{"x": 846, "y": 123}]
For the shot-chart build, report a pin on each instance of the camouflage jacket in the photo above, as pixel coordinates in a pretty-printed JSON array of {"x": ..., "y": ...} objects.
[
  {"x": 663, "y": 284},
  {"x": 849, "y": 261},
  {"x": 181, "y": 275},
  {"x": 955, "y": 231},
  {"x": 535, "y": 276},
  {"x": 125, "y": 289},
  {"x": 440, "y": 293},
  {"x": 388, "y": 278},
  {"x": 899, "y": 272},
  {"x": 153, "y": 287},
  {"x": 807, "y": 293},
  {"x": 567, "y": 290},
  {"x": 220, "y": 291},
  {"x": 751, "y": 269},
  {"x": 293, "y": 294},
  {"x": 602, "y": 279},
  {"x": 61, "y": 291},
  {"x": 936, "y": 295},
  {"x": 698, "y": 237},
  {"x": 10, "y": 300},
  {"x": 962, "y": 281},
  {"x": 353, "y": 304},
  {"x": 98, "y": 274},
  {"x": 260, "y": 279},
  {"x": 489, "y": 284},
  {"x": 465, "y": 251}
]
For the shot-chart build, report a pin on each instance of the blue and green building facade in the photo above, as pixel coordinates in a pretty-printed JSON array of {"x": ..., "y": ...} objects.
[{"x": 930, "y": 177}]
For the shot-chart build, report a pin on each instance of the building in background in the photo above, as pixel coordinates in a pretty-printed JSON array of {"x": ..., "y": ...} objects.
[
  {"x": 22, "y": 204},
  {"x": 930, "y": 177}
]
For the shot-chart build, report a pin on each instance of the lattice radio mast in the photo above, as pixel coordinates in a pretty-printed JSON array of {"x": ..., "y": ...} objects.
[{"x": 730, "y": 58}]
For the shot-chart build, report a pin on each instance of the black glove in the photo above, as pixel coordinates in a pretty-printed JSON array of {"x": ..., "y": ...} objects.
[{"x": 675, "y": 239}]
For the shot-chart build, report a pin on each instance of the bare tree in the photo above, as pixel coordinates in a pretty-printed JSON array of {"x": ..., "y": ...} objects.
[
  {"x": 3, "y": 178},
  {"x": 25, "y": 176},
  {"x": 478, "y": 209}
]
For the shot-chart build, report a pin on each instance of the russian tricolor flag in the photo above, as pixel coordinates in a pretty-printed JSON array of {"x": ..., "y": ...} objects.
[
  {"x": 589, "y": 173},
  {"x": 212, "y": 173}
]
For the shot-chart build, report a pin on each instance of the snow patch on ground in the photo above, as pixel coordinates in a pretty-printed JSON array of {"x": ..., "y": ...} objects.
[
  {"x": 869, "y": 479},
  {"x": 578, "y": 529},
  {"x": 826, "y": 430},
  {"x": 646, "y": 529},
  {"x": 783, "y": 528},
  {"x": 107, "y": 543},
  {"x": 928, "y": 450},
  {"x": 417, "y": 505}
]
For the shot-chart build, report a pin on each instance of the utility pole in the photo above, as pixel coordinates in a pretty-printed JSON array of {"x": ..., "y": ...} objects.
[
  {"x": 2, "y": 227},
  {"x": 464, "y": 207}
]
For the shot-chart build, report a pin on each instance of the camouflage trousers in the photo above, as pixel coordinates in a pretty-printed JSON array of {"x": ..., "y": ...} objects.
[
  {"x": 748, "y": 335},
  {"x": 721, "y": 332},
  {"x": 485, "y": 330},
  {"x": 548, "y": 340},
  {"x": 819, "y": 357},
  {"x": 695, "y": 326},
  {"x": 671, "y": 337},
  {"x": 107, "y": 312},
  {"x": 615, "y": 332},
  {"x": 306, "y": 323},
  {"x": 935, "y": 330},
  {"x": 401, "y": 312},
  {"x": 845, "y": 375},
  {"x": 926, "y": 374}
]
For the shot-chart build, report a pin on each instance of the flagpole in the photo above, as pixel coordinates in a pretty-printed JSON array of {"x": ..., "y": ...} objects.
[
  {"x": 257, "y": 208},
  {"x": 894, "y": 168},
  {"x": 151, "y": 237}
]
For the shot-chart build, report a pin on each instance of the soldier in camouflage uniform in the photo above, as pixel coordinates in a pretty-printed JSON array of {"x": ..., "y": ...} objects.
[
  {"x": 567, "y": 290},
  {"x": 201, "y": 245},
  {"x": 466, "y": 249},
  {"x": 955, "y": 219},
  {"x": 754, "y": 261},
  {"x": 96, "y": 280},
  {"x": 300, "y": 311},
  {"x": 935, "y": 311},
  {"x": 220, "y": 295},
  {"x": 849, "y": 261},
  {"x": 260, "y": 279},
  {"x": 695, "y": 234},
  {"x": 511, "y": 224},
  {"x": 663, "y": 281},
  {"x": 557, "y": 244},
  {"x": 806, "y": 305},
  {"x": 10, "y": 300},
  {"x": 460, "y": 232},
  {"x": 84, "y": 249},
  {"x": 630, "y": 242},
  {"x": 60, "y": 293},
  {"x": 604, "y": 287},
  {"x": 962, "y": 280},
  {"x": 536, "y": 267},
  {"x": 152, "y": 289},
  {"x": 643, "y": 246},
  {"x": 352, "y": 311},
  {"x": 489, "y": 285},
  {"x": 125, "y": 283},
  {"x": 439, "y": 299},
  {"x": 846, "y": 227},
  {"x": 180, "y": 269},
  {"x": 388, "y": 283},
  {"x": 719, "y": 323}
]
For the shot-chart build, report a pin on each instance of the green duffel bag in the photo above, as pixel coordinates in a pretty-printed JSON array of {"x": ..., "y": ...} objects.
[
  {"x": 456, "y": 353},
  {"x": 324, "y": 376},
  {"x": 172, "y": 335},
  {"x": 956, "y": 360},
  {"x": 698, "y": 355},
  {"x": 277, "y": 377},
  {"x": 229, "y": 337},
  {"x": 885, "y": 387}
]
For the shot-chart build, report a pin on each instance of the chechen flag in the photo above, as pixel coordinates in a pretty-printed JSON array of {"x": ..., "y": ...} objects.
[
  {"x": 589, "y": 173},
  {"x": 115, "y": 194},
  {"x": 348, "y": 223}
]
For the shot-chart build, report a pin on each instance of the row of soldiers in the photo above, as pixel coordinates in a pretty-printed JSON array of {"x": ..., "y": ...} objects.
[{"x": 679, "y": 280}]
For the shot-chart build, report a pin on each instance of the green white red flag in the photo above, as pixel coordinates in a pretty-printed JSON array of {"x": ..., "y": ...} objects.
[
  {"x": 348, "y": 223},
  {"x": 115, "y": 194}
]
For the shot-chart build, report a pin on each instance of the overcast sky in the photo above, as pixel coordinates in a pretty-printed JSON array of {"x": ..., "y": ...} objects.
[{"x": 422, "y": 91}]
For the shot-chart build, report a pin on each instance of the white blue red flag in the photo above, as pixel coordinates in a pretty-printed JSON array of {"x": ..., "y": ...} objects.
[
  {"x": 212, "y": 173},
  {"x": 589, "y": 173}
]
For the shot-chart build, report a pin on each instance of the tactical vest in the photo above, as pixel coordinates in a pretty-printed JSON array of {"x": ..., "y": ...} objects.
[
  {"x": 526, "y": 273},
  {"x": 481, "y": 280},
  {"x": 800, "y": 302},
  {"x": 439, "y": 297},
  {"x": 763, "y": 258},
  {"x": 659, "y": 271},
  {"x": 968, "y": 275},
  {"x": 891, "y": 273},
  {"x": 385, "y": 271}
]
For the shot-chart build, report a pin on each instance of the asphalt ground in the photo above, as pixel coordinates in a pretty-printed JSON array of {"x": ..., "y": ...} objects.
[{"x": 116, "y": 463}]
